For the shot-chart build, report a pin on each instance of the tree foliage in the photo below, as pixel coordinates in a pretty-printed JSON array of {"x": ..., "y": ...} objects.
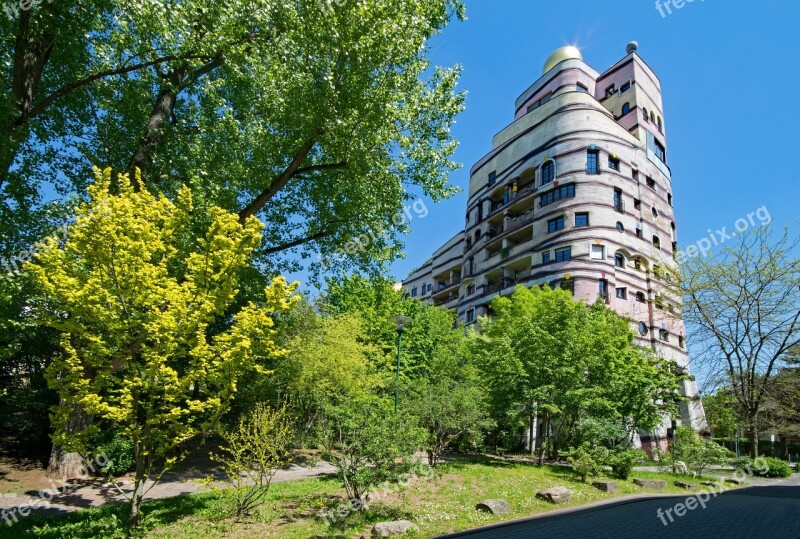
[{"x": 133, "y": 296}]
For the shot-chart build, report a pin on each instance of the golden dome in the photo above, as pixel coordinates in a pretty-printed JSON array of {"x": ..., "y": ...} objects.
[{"x": 559, "y": 55}]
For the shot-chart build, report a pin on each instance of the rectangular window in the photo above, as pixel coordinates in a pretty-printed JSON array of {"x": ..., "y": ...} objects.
[
  {"x": 568, "y": 284},
  {"x": 622, "y": 293},
  {"x": 414, "y": 292},
  {"x": 564, "y": 254},
  {"x": 470, "y": 316},
  {"x": 603, "y": 289},
  {"x": 492, "y": 178},
  {"x": 546, "y": 257},
  {"x": 618, "y": 203},
  {"x": 582, "y": 219},
  {"x": 637, "y": 204},
  {"x": 554, "y": 225},
  {"x": 625, "y": 87},
  {"x": 613, "y": 163},
  {"x": 651, "y": 183},
  {"x": 611, "y": 90},
  {"x": 592, "y": 162},
  {"x": 480, "y": 211},
  {"x": 598, "y": 252},
  {"x": 559, "y": 193},
  {"x": 663, "y": 334}
]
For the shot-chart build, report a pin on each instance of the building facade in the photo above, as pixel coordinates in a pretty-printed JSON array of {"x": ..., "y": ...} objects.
[{"x": 575, "y": 193}]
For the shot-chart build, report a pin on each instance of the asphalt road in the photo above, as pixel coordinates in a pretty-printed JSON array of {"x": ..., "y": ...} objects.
[{"x": 771, "y": 511}]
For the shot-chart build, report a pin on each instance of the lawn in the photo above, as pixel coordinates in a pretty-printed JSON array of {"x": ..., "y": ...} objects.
[{"x": 441, "y": 504}]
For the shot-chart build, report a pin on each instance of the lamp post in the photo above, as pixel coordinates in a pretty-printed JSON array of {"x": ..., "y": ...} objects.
[{"x": 400, "y": 323}]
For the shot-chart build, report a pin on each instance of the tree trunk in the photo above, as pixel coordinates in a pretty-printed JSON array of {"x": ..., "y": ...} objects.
[
  {"x": 135, "y": 518},
  {"x": 66, "y": 465},
  {"x": 531, "y": 426},
  {"x": 752, "y": 436},
  {"x": 784, "y": 446}
]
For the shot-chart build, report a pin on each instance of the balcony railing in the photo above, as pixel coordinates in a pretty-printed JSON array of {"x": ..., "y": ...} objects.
[{"x": 455, "y": 281}]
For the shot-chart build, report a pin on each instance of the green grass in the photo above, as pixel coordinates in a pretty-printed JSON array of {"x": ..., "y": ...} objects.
[{"x": 439, "y": 505}]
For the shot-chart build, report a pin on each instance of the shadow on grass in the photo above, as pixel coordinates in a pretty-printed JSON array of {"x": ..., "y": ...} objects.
[{"x": 109, "y": 521}]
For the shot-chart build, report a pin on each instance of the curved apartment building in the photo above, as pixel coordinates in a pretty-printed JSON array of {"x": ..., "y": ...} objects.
[{"x": 576, "y": 193}]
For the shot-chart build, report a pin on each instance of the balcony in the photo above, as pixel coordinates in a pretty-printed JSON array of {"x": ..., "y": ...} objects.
[{"x": 447, "y": 287}]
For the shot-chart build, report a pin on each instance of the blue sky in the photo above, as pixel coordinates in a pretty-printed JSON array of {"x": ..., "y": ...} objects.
[{"x": 729, "y": 75}]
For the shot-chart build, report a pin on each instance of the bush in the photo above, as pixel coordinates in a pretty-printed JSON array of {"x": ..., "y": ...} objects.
[
  {"x": 743, "y": 463},
  {"x": 690, "y": 453},
  {"x": 252, "y": 453},
  {"x": 587, "y": 460},
  {"x": 118, "y": 451},
  {"x": 622, "y": 461},
  {"x": 775, "y": 468}
]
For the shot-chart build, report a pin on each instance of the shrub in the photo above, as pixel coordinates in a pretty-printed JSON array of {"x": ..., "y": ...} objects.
[
  {"x": 587, "y": 460},
  {"x": 743, "y": 463},
  {"x": 118, "y": 451},
  {"x": 693, "y": 452},
  {"x": 774, "y": 468},
  {"x": 252, "y": 453},
  {"x": 622, "y": 461}
]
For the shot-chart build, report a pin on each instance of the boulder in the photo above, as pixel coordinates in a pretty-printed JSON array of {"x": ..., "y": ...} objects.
[
  {"x": 555, "y": 494},
  {"x": 606, "y": 486},
  {"x": 397, "y": 527},
  {"x": 652, "y": 484},
  {"x": 734, "y": 480},
  {"x": 684, "y": 484},
  {"x": 712, "y": 484},
  {"x": 495, "y": 507}
]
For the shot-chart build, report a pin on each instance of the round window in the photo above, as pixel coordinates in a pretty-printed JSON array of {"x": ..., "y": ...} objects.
[{"x": 642, "y": 328}]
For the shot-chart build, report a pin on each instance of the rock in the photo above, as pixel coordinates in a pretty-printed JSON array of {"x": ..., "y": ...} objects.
[
  {"x": 495, "y": 507},
  {"x": 684, "y": 484},
  {"x": 398, "y": 527},
  {"x": 653, "y": 484},
  {"x": 734, "y": 480},
  {"x": 606, "y": 486},
  {"x": 555, "y": 494},
  {"x": 711, "y": 484}
]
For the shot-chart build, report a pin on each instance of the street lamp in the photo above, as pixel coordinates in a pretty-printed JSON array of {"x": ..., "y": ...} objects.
[{"x": 400, "y": 323}]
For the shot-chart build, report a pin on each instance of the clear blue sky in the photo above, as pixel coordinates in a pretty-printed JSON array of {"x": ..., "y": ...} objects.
[{"x": 730, "y": 77}]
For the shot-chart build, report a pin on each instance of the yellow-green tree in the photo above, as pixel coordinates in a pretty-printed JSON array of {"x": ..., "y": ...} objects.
[{"x": 133, "y": 295}]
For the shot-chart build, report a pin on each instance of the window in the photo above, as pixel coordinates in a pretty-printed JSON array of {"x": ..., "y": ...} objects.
[
  {"x": 619, "y": 260},
  {"x": 559, "y": 193},
  {"x": 625, "y": 87},
  {"x": 652, "y": 116},
  {"x": 620, "y": 227},
  {"x": 637, "y": 263},
  {"x": 660, "y": 126},
  {"x": 657, "y": 270},
  {"x": 613, "y": 163},
  {"x": 592, "y": 162},
  {"x": 582, "y": 219},
  {"x": 642, "y": 329},
  {"x": 663, "y": 334},
  {"x": 637, "y": 204},
  {"x": 548, "y": 172},
  {"x": 611, "y": 90},
  {"x": 640, "y": 297},
  {"x": 669, "y": 199},
  {"x": 492, "y": 178},
  {"x": 430, "y": 288},
  {"x": 639, "y": 230},
  {"x": 659, "y": 150},
  {"x": 414, "y": 292},
  {"x": 659, "y": 301},
  {"x": 480, "y": 212},
  {"x": 651, "y": 183},
  {"x": 568, "y": 284},
  {"x": 622, "y": 293},
  {"x": 581, "y": 88},
  {"x": 564, "y": 254},
  {"x": 656, "y": 242},
  {"x": 644, "y": 112},
  {"x": 682, "y": 341},
  {"x": 546, "y": 257},
  {"x": 635, "y": 174},
  {"x": 477, "y": 235},
  {"x": 618, "y": 203},
  {"x": 470, "y": 316},
  {"x": 603, "y": 289},
  {"x": 537, "y": 104},
  {"x": 655, "y": 212},
  {"x": 471, "y": 266},
  {"x": 554, "y": 225},
  {"x": 598, "y": 252}
]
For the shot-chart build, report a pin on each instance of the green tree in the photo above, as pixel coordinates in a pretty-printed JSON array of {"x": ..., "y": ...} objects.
[
  {"x": 544, "y": 354},
  {"x": 744, "y": 306},
  {"x": 314, "y": 115},
  {"x": 133, "y": 304},
  {"x": 368, "y": 444},
  {"x": 721, "y": 413}
]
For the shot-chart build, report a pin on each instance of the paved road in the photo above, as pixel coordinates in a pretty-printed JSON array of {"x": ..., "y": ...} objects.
[{"x": 771, "y": 511}]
